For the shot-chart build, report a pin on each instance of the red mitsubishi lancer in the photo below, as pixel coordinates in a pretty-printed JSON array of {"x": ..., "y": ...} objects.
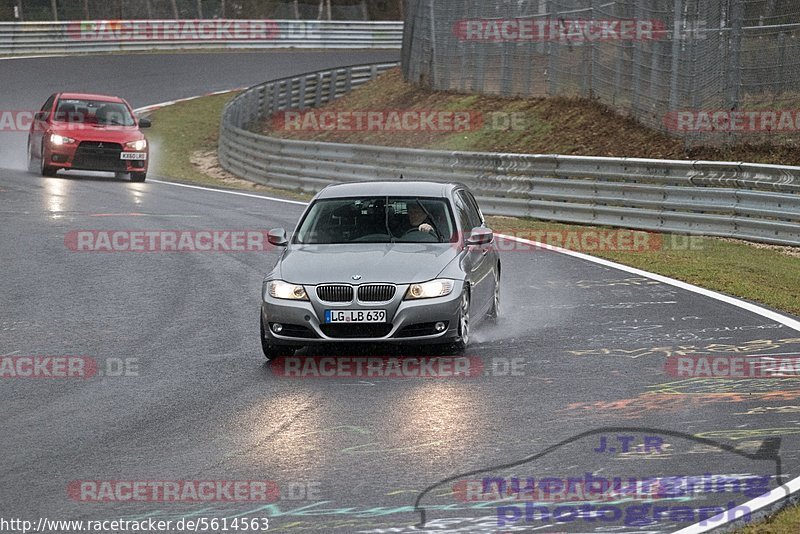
[{"x": 74, "y": 131}]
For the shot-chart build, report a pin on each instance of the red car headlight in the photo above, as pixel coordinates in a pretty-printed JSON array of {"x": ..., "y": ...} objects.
[
  {"x": 141, "y": 144},
  {"x": 59, "y": 140}
]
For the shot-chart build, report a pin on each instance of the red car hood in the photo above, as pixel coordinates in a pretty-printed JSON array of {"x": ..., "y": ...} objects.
[{"x": 92, "y": 132}]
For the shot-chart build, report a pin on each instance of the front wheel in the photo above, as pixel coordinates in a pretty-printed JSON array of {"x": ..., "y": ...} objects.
[
  {"x": 44, "y": 169},
  {"x": 32, "y": 166},
  {"x": 462, "y": 341}
]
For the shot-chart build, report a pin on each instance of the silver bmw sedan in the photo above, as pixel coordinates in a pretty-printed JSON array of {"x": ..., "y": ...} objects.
[{"x": 386, "y": 262}]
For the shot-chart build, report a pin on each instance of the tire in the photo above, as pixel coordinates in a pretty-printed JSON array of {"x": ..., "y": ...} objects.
[
  {"x": 138, "y": 176},
  {"x": 494, "y": 311},
  {"x": 273, "y": 352},
  {"x": 462, "y": 342},
  {"x": 32, "y": 166},
  {"x": 46, "y": 170}
]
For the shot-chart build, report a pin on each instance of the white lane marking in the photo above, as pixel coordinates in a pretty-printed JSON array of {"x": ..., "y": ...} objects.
[
  {"x": 153, "y": 107},
  {"x": 31, "y": 57},
  {"x": 237, "y": 193}
]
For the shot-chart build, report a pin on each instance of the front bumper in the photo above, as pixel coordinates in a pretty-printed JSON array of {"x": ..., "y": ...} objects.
[
  {"x": 409, "y": 321},
  {"x": 87, "y": 156}
]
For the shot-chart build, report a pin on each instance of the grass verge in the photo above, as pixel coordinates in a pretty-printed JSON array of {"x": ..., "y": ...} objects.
[
  {"x": 183, "y": 144},
  {"x": 568, "y": 126}
]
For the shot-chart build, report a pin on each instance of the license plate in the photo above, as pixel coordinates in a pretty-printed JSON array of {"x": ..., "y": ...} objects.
[
  {"x": 355, "y": 316},
  {"x": 137, "y": 156}
]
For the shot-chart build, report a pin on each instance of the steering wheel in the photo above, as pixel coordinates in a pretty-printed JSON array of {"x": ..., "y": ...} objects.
[
  {"x": 417, "y": 236},
  {"x": 371, "y": 238}
]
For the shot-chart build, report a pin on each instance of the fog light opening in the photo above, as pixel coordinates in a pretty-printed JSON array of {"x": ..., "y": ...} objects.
[
  {"x": 440, "y": 326},
  {"x": 277, "y": 328}
]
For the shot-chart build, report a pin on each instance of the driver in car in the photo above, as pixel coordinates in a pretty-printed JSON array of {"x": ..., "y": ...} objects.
[{"x": 417, "y": 221}]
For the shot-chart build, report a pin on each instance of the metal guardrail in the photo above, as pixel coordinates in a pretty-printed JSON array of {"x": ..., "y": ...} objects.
[
  {"x": 738, "y": 200},
  {"x": 120, "y": 36}
]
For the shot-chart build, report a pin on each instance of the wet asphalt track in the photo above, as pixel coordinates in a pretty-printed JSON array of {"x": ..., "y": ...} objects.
[{"x": 350, "y": 455}]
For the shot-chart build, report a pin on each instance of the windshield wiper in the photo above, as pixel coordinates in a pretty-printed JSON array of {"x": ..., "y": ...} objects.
[{"x": 392, "y": 238}]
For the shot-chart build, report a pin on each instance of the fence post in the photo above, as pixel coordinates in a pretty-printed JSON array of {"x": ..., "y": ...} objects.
[
  {"x": 552, "y": 78},
  {"x": 781, "y": 80},
  {"x": 637, "y": 62},
  {"x": 434, "y": 77},
  {"x": 735, "y": 48},
  {"x": 676, "y": 55}
]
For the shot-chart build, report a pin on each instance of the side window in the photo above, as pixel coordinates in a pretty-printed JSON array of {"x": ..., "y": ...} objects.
[
  {"x": 463, "y": 215},
  {"x": 49, "y": 104},
  {"x": 472, "y": 210},
  {"x": 475, "y": 207}
]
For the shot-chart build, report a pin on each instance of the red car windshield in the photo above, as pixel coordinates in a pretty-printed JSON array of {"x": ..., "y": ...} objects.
[{"x": 93, "y": 112}]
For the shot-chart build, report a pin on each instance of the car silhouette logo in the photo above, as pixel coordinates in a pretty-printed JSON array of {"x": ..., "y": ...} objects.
[{"x": 356, "y": 277}]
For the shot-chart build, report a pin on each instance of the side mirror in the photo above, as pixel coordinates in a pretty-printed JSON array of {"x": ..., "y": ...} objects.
[
  {"x": 41, "y": 115},
  {"x": 145, "y": 123},
  {"x": 480, "y": 236},
  {"x": 277, "y": 237}
]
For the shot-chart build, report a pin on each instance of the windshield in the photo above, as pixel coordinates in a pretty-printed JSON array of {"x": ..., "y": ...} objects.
[
  {"x": 81, "y": 111},
  {"x": 377, "y": 220}
]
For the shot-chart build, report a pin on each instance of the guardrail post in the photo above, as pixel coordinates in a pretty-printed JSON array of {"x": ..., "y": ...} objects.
[
  {"x": 318, "y": 94},
  {"x": 301, "y": 93},
  {"x": 332, "y": 86},
  {"x": 348, "y": 83},
  {"x": 276, "y": 96}
]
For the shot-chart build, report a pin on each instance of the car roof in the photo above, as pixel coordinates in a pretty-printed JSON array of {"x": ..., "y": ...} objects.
[
  {"x": 393, "y": 188},
  {"x": 89, "y": 96}
]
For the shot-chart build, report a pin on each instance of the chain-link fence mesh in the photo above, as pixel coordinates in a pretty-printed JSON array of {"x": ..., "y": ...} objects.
[
  {"x": 43, "y": 10},
  {"x": 710, "y": 71}
]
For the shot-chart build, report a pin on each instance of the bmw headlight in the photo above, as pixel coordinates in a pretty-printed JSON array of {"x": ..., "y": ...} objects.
[
  {"x": 281, "y": 290},
  {"x": 141, "y": 144},
  {"x": 429, "y": 290},
  {"x": 61, "y": 140}
]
